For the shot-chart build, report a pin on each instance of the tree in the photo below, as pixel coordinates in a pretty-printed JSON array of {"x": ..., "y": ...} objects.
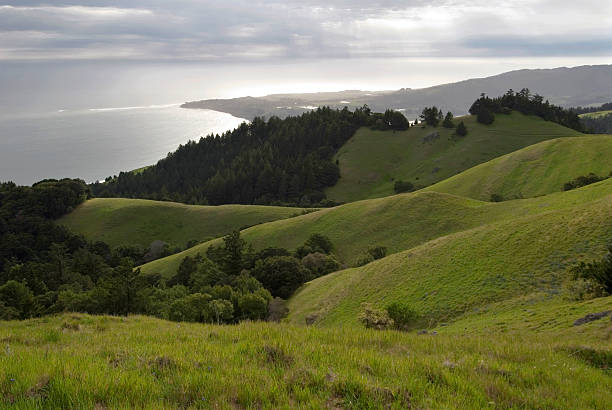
[
  {"x": 431, "y": 116},
  {"x": 461, "y": 129},
  {"x": 16, "y": 297},
  {"x": 235, "y": 247},
  {"x": 281, "y": 275},
  {"x": 319, "y": 243},
  {"x": 448, "y": 121},
  {"x": 396, "y": 120},
  {"x": 222, "y": 310},
  {"x": 485, "y": 117}
]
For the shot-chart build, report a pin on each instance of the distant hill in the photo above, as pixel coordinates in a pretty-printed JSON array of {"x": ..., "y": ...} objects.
[
  {"x": 575, "y": 86},
  {"x": 371, "y": 160}
]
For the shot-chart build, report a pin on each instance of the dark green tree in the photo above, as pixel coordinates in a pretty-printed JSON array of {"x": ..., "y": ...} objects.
[{"x": 461, "y": 129}]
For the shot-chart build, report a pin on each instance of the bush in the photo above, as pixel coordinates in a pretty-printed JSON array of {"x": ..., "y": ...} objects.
[
  {"x": 377, "y": 252},
  {"x": 403, "y": 186},
  {"x": 364, "y": 260},
  {"x": 582, "y": 181},
  {"x": 277, "y": 310},
  {"x": 373, "y": 318},
  {"x": 583, "y": 289},
  {"x": 402, "y": 314},
  {"x": 598, "y": 272},
  {"x": 496, "y": 198},
  {"x": 320, "y": 264}
]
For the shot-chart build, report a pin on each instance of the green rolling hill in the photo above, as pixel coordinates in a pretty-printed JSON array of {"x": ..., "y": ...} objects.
[
  {"x": 119, "y": 221},
  {"x": 455, "y": 273},
  {"x": 398, "y": 222},
  {"x": 536, "y": 170},
  {"x": 371, "y": 161}
]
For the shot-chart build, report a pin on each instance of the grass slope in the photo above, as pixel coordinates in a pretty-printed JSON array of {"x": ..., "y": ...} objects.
[
  {"x": 119, "y": 221},
  {"x": 80, "y": 361},
  {"x": 454, "y": 274},
  {"x": 535, "y": 170},
  {"x": 371, "y": 160},
  {"x": 398, "y": 222}
]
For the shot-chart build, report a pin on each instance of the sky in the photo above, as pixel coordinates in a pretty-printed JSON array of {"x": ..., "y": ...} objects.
[{"x": 101, "y": 52}]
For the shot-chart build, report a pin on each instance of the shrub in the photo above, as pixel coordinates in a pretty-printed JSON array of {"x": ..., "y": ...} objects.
[
  {"x": 496, "y": 198},
  {"x": 320, "y": 264},
  {"x": 364, "y": 260},
  {"x": 582, "y": 181},
  {"x": 403, "y": 186},
  {"x": 583, "y": 289},
  {"x": 598, "y": 272},
  {"x": 373, "y": 318},
  {"x": 402, "y": 314},
  {"x": 277, "y": 310},
  {"x": 377, "y": 252}
]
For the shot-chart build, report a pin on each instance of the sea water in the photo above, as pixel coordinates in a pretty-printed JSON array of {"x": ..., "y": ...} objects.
[{"x": 97, "y": 142}]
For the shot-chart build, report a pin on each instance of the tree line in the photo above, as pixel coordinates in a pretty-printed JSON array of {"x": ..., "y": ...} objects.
[{"x": 485, "y": 108}]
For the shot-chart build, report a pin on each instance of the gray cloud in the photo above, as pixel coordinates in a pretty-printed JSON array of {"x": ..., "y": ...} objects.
[{"x": 190, "y": 30}]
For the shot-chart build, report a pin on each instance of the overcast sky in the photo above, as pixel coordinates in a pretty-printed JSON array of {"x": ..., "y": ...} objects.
[{"x": 478, "y": 37}]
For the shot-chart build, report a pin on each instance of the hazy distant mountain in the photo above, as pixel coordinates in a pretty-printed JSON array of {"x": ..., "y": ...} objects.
[{"x": 563, "y": 86}]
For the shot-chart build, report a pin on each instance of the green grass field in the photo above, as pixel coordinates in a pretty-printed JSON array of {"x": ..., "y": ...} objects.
[
  {"x": 119, "y": 221},
  {"x": 371, "y": 160},
  {"x": 596, "y": 114},
  {"x": 81, "y": 361},
  {"x": 539, "y": 169}
]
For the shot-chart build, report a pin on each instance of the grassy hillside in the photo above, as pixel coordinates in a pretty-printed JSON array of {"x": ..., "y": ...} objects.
[
  {"x": 398, "y": 222},
  {"x": 453, "y": 274},
  {"x": 120, "y": 221},
  {"x": 535, "y": 170},
  {"x": 80, "y": 361},
  {"x": 371, "y": 160}
]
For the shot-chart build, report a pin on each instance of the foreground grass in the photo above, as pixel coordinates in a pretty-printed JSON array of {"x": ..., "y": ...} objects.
[
  {"x": 539, "y": 169},
  {"x": 120, "y": 221},
  {"x": 80, "y": 361},
  {"x": 371, "y": 161}
]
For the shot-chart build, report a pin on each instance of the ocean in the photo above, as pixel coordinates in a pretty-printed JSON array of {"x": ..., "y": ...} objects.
[{"x": 95, "y": 143}]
